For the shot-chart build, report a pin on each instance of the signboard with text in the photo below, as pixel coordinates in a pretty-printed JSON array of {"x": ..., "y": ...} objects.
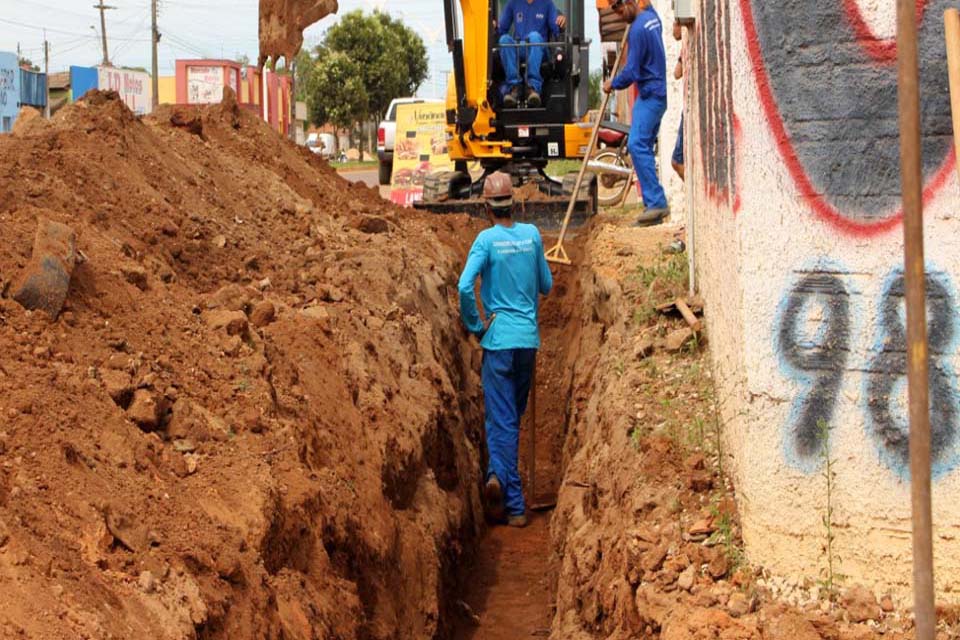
[
  {"x": 134, "y": 87},
  {"x": 420, "y": 148},
  {"x": 204, "y": 85}
]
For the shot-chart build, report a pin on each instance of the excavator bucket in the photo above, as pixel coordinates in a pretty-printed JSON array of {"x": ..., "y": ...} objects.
[
  {"x": 541, "y": 203},
  {"x": 282, "y": 23}
]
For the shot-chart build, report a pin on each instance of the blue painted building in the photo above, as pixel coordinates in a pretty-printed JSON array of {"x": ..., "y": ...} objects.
[
  {"x": 9, "y": 90},
  {"x": 18, "y": 88}
]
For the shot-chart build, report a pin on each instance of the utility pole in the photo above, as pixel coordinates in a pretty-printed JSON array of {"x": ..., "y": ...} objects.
[
  {"x": 103, "y": 30},
  {"x": 155, "y": 40},
  {"x": 46, "y": 75}
]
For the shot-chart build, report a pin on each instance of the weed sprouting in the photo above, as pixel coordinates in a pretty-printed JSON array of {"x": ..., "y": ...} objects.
[{"x": 830, "y": 579}]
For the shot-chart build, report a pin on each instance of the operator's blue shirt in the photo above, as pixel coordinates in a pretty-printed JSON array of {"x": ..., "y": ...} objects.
[
  {"x": 514, "y": 273},
  {"x": 540, "y": 15},
  {"x": 646, "y": 59}
]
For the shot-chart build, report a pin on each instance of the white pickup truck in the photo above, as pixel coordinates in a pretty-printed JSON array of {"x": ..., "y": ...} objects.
[{"x": 387, "y": 133}]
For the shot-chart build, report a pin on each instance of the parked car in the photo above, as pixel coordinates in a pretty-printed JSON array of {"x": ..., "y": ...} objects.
[
  {"x": 386, "y": 136},
  {"x": 323, "y": 144}
]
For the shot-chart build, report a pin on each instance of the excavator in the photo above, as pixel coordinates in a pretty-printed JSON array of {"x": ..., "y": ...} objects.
[{"x": 482, "y": 132}]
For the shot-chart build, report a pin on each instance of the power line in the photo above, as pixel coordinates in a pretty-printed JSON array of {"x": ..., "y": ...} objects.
[{"x": 62, "y": 32}]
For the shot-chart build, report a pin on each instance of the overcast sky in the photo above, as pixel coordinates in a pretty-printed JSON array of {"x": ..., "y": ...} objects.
[{"x": 197, "y": 29}]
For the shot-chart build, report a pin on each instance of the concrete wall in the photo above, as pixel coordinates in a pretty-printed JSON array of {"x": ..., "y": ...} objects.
[{"x": 793, "y": 162}]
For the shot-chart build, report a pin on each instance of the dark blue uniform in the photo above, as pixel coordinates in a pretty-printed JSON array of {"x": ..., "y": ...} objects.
[{"x": 647, "y": 68}]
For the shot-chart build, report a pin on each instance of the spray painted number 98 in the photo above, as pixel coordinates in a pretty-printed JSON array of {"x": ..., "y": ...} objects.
[{"x": 818, "y": 362}]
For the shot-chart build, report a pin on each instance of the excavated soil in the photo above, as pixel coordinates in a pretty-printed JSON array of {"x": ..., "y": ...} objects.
[{"x": 257, "y": 415}]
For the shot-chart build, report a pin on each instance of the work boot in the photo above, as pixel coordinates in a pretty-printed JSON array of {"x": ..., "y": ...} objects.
[
  {"x": 650, "y": 217},
  {"x": 519, "y": 520},
  {"x": 512, "y": 98},
  {"x": 493, "y": 499},
  {"x": 533, "y": 99}
]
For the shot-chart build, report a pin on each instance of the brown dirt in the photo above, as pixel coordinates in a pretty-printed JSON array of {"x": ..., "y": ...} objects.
[{"x": 256, "y": 416}]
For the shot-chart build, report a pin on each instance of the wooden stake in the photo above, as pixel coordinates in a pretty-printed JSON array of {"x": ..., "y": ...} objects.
[
  {"x": 688, "y": 315},
  {"x": 911, "y": 179},
  {"x": 557, "y": 253}
]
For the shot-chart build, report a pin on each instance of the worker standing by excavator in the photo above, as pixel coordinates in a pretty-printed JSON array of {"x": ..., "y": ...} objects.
[
  {"x": 646, "y": 67},
  {"x": 508, "y": 258}
]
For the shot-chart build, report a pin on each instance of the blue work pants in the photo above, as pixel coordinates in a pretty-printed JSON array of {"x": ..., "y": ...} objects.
[
  {"x": 511, "y": 56},
  {"x": 506, "y": 380},
  {"x": 647, "y": 114}
]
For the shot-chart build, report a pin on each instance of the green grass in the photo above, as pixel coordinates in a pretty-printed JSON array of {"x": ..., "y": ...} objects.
[
  {"x": 559, "y": 168},
  {"x": 353, "y": 165}
]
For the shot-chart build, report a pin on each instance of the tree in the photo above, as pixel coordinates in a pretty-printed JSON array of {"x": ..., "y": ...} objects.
[
  {"x": 413, "y": 49},
  {"x": 27, "y": 63},
  {"x": 338, "y": 80},
  {"x": 376, "y": 42},
  {"x": 596, "y": 80},
  {"x": 387, "y": 60}
]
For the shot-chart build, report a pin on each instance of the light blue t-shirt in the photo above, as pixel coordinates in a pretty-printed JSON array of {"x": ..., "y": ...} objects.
[{"x": 514, "y": 273}]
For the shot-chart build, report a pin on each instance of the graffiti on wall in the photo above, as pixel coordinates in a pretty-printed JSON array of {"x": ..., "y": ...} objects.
[
  {"x": 828, "y": 87},
  {"x": 815, "y": 339},
  {"x": 714, "y": 89}
]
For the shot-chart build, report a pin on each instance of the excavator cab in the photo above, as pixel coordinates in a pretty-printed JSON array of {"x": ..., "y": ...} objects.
[{"x": 483, "y": 132}]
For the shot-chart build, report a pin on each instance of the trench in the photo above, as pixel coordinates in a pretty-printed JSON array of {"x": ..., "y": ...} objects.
[{"x": 508, "y": 590}]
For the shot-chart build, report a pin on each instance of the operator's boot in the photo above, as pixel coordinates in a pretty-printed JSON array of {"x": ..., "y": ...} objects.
[
  {"x": 512, "y": 98},
  {"x": 493, "y": 500},
  {"x": 533, "y": 99},
  {"x": 650, "y": 217},
  {"x": 519, "y": 520}
]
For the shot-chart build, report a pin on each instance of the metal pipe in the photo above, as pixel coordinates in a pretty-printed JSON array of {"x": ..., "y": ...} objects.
[
  {"x": 606, "y": 167},
  {"x": 911, "y": 179}
]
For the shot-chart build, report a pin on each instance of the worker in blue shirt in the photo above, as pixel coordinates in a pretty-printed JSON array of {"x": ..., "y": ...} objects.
[
  {"x": 534, "y": 22},
  {"x": 508, "y": 258},
  {"x": 647, "y": 68}
]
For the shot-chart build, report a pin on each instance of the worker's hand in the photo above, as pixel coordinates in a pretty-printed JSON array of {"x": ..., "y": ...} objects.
[
  {"x": 678, "y": 70},
  {"x": 561, "y": 21},
  {"x": 677, "y": 31},
  {"x": 608, "y": 85}
]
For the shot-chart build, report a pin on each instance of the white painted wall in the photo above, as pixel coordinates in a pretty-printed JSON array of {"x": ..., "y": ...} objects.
[{"x": 755, "y": 243}]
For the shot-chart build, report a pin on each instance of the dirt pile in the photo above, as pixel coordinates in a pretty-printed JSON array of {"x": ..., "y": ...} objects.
[{"x": 255, "y": 416}]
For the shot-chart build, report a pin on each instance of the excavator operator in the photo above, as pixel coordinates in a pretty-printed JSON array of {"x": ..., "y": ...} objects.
[{"x": 534, "y": 22}]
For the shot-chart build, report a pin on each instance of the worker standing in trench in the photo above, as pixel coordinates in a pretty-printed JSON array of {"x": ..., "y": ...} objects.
[{"x": 509, "y": 260}]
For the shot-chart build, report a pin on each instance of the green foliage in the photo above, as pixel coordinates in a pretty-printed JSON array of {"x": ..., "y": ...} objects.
[
  {"x": 413, "y": 53},
  {"x": 336, "y": 86},
  {"x": 596, "y": 82},
  {"x": 27, "y": 63},
  {"x": 725, "y": 537},
  {"x": 390, "y": 58}
]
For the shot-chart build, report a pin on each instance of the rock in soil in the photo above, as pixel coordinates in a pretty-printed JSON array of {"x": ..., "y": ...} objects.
[
  {"x": 44, "y": 284},
  {"x": 860, "y": 603},
  {"x": 144, "y": 409}
]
